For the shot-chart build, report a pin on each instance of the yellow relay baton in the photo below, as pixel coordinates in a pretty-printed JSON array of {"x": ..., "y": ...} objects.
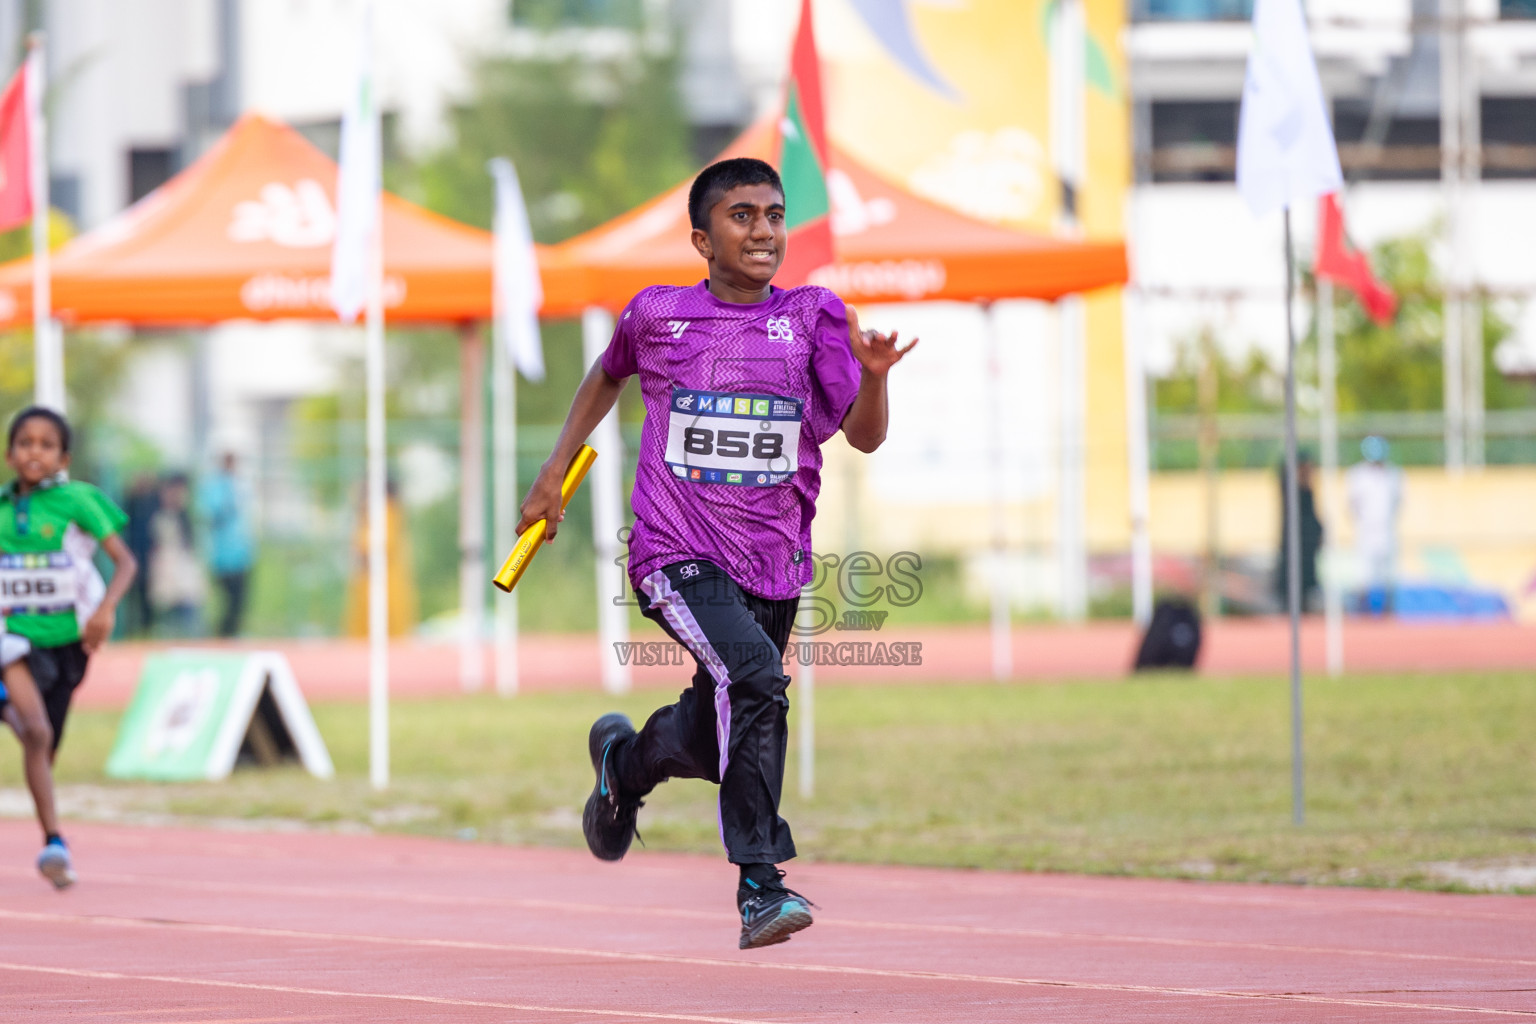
[{"x": 528, "y": 544}]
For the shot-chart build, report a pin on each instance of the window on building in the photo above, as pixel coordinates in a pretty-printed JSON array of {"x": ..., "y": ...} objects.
[
  {"x": 1409, "y": 150},
  {"x": 64, "y": 194},
  {"x": 552, "y": 14},
  {"x": 1509, "y": 137},
  {"x": 1517, "y": 8},
  {"x": 1194, "y": 140},
  {"x": 149, "y": 167},
  {"x": 1193, "y": 10}
]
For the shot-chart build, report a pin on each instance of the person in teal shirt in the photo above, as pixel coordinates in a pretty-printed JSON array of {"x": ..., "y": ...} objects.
[
  {"x": 50, "y": 592},
  {"x": 231, "y": 549}
]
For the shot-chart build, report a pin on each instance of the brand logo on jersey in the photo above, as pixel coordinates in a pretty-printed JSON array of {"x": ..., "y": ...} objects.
[
  {"x": 779, "y": 329},
  {"x": 689, "y": 571},
  {"x": 677, "y": 327},
  {"x": 685, "y": 402}
]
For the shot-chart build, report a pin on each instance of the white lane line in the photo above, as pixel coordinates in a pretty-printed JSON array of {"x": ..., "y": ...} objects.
[
  {"x": 166, "y": 979},
  {"x": 427, "y": 899},
  {"x": 664, "y": 958},
  {"x": 1024, "y": 886}
]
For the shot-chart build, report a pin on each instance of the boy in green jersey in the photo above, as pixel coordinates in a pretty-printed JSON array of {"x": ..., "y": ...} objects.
[
  {"x": 22, "y": 708},
  {"x": 50, "y": 592}
]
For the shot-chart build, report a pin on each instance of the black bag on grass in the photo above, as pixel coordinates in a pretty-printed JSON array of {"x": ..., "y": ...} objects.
[{"x": 1172, "y": 639}]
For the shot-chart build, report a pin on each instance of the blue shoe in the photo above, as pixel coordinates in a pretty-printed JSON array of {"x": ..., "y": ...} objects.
[
  {"x": 770, "y": 912},
  {"x": 608, "y": 821},
  {"x": 55, "y": 865}
]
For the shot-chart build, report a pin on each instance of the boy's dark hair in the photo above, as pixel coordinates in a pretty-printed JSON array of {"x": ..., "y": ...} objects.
[
  {"x": 719, "y": 178},
  {"x": 39, "y": 412}
]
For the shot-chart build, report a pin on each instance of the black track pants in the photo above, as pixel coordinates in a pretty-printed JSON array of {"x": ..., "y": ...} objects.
[{"x": 732, "y": 726}]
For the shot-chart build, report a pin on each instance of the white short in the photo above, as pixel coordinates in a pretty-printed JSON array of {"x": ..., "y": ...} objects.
[{"x": 13, "y": 648}]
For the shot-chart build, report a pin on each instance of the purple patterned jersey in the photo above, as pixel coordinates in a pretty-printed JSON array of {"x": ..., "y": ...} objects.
[{"x": 738, "y": 400}]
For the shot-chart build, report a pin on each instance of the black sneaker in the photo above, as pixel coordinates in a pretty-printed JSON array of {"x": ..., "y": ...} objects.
[
  {"x": 770, "y": 912},
  {"x": 609, "y": 819}
]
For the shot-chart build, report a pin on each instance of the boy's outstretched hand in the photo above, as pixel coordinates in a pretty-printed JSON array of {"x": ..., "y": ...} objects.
[{"x": 876, "y": 352}]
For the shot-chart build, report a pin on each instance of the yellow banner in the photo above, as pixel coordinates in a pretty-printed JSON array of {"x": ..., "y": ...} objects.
[{"x": 951, "y": 99}]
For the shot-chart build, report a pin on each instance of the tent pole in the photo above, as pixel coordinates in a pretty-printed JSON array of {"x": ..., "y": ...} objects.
[
  {"x": 1138, "y": 457},
  {"x": 378, "y": 555},
  {"x": 472, "y": 567},
  {"x": 1071, "y": 502},
  {"x": 1068, "y": 132},
  {"x": 1002, "y": 631},
  {"x": 504, "y": 513},
  {"x": 607, "y": 517}
]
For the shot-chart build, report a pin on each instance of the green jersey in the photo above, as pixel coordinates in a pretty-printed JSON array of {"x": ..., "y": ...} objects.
[{"x": 49, "y": 585}]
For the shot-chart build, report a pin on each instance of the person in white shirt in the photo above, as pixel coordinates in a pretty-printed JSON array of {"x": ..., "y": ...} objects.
[{"x": 1375, "y": 490}]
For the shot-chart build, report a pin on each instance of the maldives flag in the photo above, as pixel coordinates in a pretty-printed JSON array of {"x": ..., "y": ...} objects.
[
  {"x": 803, "y": 162},
  {"x": 1337, "y": 261},
  {"x": 15, "y": 154}
]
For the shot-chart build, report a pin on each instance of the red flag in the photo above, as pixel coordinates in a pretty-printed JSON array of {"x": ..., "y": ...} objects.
[
  {"x": 15, "y": 155},
  {"x": 1337, "y": 261},
  {"x": 803, "y": 162}
]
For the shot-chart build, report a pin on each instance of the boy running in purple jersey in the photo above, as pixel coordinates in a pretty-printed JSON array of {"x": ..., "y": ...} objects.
[{"x": 742, "y": 383}]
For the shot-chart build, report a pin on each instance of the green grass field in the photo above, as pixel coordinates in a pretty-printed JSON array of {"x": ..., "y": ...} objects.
[{"x": 1165, "y": 776}]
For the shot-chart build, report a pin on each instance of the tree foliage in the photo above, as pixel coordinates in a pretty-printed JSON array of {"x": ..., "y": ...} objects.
[
  {"x": 590, "y": 139},
  {"x": 1394, "y": 367}
]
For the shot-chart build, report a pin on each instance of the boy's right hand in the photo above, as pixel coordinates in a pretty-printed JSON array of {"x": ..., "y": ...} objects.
[{"x": 543, "y": 502}]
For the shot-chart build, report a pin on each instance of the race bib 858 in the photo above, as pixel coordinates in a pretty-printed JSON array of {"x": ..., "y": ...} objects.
[{"x": 724, "y": 438}]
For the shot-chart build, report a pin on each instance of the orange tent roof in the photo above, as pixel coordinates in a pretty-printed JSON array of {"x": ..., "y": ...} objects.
[
  {"x": 245, "y": 233},
  {"x": 891, "y": 247}
]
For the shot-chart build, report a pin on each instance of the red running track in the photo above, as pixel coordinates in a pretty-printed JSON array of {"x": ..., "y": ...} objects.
[{"x": 183, "y": 927}]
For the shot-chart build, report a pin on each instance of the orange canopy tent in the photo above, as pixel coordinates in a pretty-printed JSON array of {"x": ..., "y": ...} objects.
[
  {"x": 891, "y": 247},
  {"x": 245, "y": 234}
]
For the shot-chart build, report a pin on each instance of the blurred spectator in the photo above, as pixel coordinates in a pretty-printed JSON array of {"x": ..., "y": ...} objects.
[
  {"x": 401, "y": 583},
  {"x": 176, "y": 586},
  {"x": 1311, "y": 537},
  {"x": 231, "y": 550},
  {"x": 1375, "y": 495},
  {"x": 141, "y": 503}
]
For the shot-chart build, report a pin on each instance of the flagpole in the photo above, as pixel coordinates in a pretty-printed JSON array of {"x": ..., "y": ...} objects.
[
  {"x": 1293, "y": 531},
  {"x": 378, "y": 557},
  {"x": 607, "y": 517},
  {"x": 378, "y": 508},
  {"x": 504, "y": 504},
  {"x": 1328, "y": 441},
  {"x": 47, "y": 350},
  {"x": 472, "y": 568}
]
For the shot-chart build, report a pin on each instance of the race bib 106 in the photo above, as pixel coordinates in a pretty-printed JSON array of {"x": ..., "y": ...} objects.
[
  {"x": 37, "y": 583},
  {"x": 721, "y": 438}
]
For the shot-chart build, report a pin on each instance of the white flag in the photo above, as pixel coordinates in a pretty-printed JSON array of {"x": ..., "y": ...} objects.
[
  {"x": 1285, "y": 148},
  {"x": 358, "y": 183},
  {"x": 518, "y": 292}
]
